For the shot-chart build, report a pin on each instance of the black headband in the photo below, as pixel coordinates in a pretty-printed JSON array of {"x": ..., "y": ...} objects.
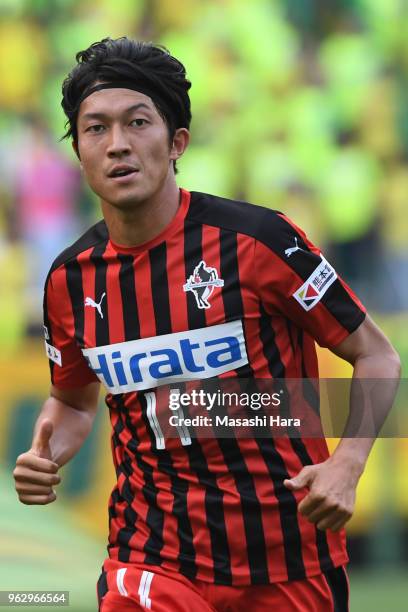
[{"x": 158, "y": 101}]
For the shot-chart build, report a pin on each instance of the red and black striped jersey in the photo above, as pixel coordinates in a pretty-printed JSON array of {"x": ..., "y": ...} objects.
[{"x": 228, "y": 289}]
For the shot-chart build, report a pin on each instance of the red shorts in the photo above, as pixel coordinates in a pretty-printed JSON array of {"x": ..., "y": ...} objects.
[{"x": 125, "y": 587}]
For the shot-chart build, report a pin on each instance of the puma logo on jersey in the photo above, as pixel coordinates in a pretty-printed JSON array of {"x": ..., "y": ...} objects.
[
  {"x": 289, "y": 252},
  {"x": 98, "y": 305}
]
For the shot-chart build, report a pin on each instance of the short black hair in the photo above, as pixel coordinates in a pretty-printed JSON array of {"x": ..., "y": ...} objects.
[{"x": 122, "y": 59}]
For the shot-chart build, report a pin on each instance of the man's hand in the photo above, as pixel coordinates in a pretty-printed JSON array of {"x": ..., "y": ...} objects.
[
  {"x": 35, "y": 473},
  {"x": 332, "y": 493}
]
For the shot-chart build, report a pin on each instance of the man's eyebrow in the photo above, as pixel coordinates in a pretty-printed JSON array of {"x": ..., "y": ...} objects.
[{"x": 127, "y": 111}]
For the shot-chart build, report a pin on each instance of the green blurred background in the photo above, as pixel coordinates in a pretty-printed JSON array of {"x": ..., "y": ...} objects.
[{"x": 300, "y": 105}]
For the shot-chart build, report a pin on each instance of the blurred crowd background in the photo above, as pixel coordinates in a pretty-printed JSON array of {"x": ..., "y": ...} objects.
[{"x": 299, "y": 105}]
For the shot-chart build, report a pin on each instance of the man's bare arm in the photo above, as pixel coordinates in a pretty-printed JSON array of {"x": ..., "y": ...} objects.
[
  {"x": 332, "y": 484},
  {"x": 373, "y": 358},
  {"x": 64, "y": 423}
]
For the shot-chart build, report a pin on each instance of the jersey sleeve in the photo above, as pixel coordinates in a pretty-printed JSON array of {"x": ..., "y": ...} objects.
[
  {"x": 68, "y": 366},
  {"x": 295, "y": 280}
]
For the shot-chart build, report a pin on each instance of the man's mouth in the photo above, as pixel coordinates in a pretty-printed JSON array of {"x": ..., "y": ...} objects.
[{"x": 122, "y": 174}]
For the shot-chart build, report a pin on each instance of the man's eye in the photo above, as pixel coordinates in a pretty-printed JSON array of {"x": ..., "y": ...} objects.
[
  {"x": 139, "y": 121},
  {"x": 96, "y": 128}
]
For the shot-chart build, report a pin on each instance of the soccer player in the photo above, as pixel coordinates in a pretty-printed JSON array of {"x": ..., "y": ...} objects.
[{"x": 173, "y": 286}]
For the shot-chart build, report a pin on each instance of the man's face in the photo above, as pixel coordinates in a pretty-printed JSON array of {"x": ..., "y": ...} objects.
[{"x": 123, "y": 144}]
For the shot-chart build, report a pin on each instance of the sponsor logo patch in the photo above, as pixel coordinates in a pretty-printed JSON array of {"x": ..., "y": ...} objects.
[
  {"x": 202, "y": 282},
  {"x": 53, "y": 353},
  {"x": 312, "y": 290},
  {"x": 150, "y": 362}
]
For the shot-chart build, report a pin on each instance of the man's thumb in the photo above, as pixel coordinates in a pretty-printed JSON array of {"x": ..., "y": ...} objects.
[
  {"x": 303, "y": 479},
  {"x": 41, "y": 441}
]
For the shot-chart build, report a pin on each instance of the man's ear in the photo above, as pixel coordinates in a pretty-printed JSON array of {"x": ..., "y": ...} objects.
[
  {"x": 75, "y": 147},
  {"x": 180, "y": 143}
]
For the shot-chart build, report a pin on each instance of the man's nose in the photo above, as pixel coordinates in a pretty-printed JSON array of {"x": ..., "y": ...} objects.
[{"x": 119, "y": 141}]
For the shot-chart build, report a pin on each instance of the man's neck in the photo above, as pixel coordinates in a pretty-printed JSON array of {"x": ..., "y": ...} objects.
[{"x": 143, "y": 222}]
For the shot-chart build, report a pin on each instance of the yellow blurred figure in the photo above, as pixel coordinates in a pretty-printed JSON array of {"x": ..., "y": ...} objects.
[{"x": 24, "y": 48}]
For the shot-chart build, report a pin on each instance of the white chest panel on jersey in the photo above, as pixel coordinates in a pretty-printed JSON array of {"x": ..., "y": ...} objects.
[{"x": 150, "y": 362}]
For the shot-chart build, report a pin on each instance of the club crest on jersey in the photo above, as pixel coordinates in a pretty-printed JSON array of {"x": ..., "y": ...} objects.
[
  {"x": 202, "y": 282},
  {"x": 314, "y": 288}
]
